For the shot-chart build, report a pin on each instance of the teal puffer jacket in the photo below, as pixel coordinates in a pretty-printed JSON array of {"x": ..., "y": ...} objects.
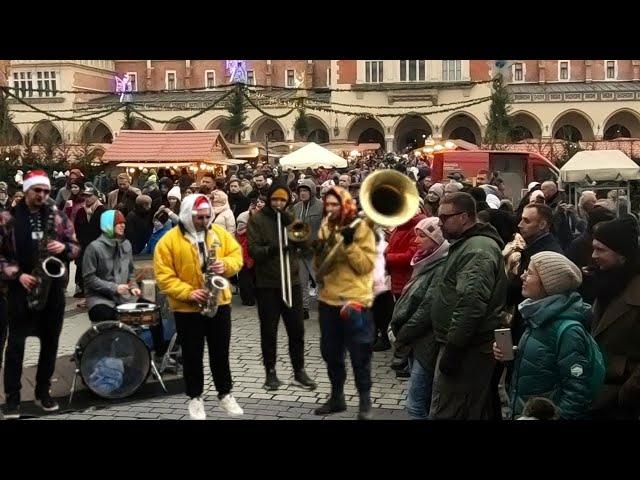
[{"x": 544, "y": 367}]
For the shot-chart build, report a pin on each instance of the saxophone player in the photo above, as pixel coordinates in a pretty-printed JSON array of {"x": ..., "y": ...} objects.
[
  {"x": 345, "y": 298},
  {"x": 30, "y": 230},
  {"x": 180, "y": 259}
]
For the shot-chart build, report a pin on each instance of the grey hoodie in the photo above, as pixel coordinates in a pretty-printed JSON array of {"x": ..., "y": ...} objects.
[
  {"x": 107, "y": 263},
  {"x": 311, "y": 212}
]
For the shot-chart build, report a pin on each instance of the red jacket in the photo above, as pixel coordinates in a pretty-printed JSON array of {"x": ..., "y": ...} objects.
[
  {"x": 400, "y": 252},
  {"x": 246, "y": 258}
]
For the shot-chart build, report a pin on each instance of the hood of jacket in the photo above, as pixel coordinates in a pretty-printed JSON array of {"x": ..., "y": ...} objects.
[
  {"x": 187, "y": 209},
  {"x": 481, "y": 230},
  {"x": 538, "y": 312}
]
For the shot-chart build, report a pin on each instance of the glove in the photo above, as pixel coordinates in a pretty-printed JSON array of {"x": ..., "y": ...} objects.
[
  {"x": 347, "y": 235},
  {"x": 451, "y": 359},
  {"x": 317, "y": 246}
]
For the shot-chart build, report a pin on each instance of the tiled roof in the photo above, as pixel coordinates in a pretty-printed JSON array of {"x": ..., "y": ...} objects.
[{"x": 168, "y": 146}]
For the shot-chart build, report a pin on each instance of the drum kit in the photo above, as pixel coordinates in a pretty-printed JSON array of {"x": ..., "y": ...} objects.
[{"x": 112, "y": 359}]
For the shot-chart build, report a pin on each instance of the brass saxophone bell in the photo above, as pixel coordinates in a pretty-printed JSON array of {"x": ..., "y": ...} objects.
[{"x": 298, "y": 232}]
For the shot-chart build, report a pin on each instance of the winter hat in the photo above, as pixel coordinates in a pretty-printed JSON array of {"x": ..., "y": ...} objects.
[
  {"x": 151, "y": 179},
  {"x": 535, "y": 195},
  {"x": 436, "y": 189},
  {"x": 89, "y": 189},
  {"x": 430, "y": 227},
  {"x": 532, "y": 185},
  {"x": 33, "y": 178},
  {"x": 597, "y": 215},
  {"x": 175, "y": 193},
  {"x": 478, "y": 194},
  {"x": 557, "y": 273},
  {"x": 493, "y": 201},
  {"x": 620, "y": 235},
  {"x": 3, "y": 186},
  {"x": 453, "y": 187},
  {"x": 109, "y": 220}
]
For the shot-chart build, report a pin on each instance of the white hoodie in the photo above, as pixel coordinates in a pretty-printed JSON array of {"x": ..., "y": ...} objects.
[{"x": 186, "y": 219}]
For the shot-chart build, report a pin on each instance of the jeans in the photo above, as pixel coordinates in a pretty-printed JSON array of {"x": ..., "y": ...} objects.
[
  {"x": 419, "y": 391},
  {"x": 336, "y": 337}
]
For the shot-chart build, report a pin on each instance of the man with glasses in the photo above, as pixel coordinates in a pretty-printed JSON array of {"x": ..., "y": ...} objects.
[
  {"x": 22, "y": 230},
  {"x": 465, "y": 309},
  {"x": 180, "y": 261}
]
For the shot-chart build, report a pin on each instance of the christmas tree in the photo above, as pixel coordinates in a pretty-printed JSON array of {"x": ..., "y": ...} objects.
[
  {"x": 235, "y": 124},
  {"x": 499, "y": 128}
]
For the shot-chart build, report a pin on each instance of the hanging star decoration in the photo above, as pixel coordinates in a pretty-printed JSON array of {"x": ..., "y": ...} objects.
[
  {"x": 124, "y": 87},
  {"x": 237, "y": 71}
]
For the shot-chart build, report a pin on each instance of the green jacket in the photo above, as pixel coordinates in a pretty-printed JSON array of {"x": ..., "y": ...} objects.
[
  {"x": 468, "y": 301},
  {"x": 545, "y": 368},
  {"x": 411, "y": 321}
]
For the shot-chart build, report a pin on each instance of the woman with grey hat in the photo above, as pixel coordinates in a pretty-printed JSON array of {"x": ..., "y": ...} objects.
[{"x": 556, "y": 358}]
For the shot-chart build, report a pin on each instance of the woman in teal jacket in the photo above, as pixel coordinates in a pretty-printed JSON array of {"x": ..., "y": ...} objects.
[{"x": 550, "y": 362}]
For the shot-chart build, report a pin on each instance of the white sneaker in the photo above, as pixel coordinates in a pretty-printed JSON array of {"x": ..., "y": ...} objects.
[
  {"x": 229, "y": 405},
  {"x": 313, "y": 292},
  {"x": 196, "y": 409}
]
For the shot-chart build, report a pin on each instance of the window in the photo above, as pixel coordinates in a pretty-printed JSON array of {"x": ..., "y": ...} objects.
[
  {"x": 170, "y": 80},
  {"x": 133, "y": 76},
  {"x": 209, "y": 78},
  {"x": 518, "y": 72},
  {"x": 563, "y": 70},
  {"x": 451, "y": 70},
  {"x": 46, "y": 84},
  {"x": 412, "y": 71},
  {"x": 612, "y": 68},
  {"x": 373, "y": 72},
  {"x": 251, "y": 77},
  {"x": 290, "y": 78}
]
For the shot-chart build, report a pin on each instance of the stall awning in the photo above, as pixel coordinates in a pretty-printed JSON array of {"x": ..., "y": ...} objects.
[
  {"x": 168, "y": 147},
  {"x": 599, "y": 166},
  {"x": 154, "y": 165}
]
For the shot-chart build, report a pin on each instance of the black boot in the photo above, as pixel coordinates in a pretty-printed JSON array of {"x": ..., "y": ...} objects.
[
  {"x": 272, "y": 382},
  {"x": 365, "y": 412},
  {"x": 335, "y": 404},
  {"x": 301, "y": 379},
  {"x": 306, "y": 313}
]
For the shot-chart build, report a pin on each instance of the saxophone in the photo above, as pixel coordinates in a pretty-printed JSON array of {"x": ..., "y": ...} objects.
[
  {"x": 47, "y": 267},
  {"x": 213, "y": 284}
]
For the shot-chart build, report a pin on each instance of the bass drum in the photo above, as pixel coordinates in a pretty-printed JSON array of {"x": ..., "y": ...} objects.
[{"x": 112, "y": 360}]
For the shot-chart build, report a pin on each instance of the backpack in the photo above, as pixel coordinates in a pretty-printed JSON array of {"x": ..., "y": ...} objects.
[{"x": 597, "y": 367}]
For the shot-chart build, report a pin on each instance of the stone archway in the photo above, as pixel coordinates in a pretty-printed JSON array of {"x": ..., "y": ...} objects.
[
  {"x": 622, "y": 124},
  {"x": 266, "y": 126},
  {"x": 366, "y": 130},
  {"x": 45, "y": 132},
  {"x": 573, "y": 126},
  {"x": 96, "y": 132},
  {"x": 525, "y": 126},
  {"x": 179, "y": 123},
  {"x": 411, "y": 132},
  {"x": 462, "y": 127},
  {"x": 140, "y": 124}
]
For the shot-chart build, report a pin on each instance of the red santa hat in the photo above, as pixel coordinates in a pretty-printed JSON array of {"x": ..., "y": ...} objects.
[
  {"x": 35, "y": 177},
  {"x": 201, "y": 203}
]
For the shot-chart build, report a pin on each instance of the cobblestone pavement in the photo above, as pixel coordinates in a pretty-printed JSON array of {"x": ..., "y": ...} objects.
[{"x": 289, "y": 402}]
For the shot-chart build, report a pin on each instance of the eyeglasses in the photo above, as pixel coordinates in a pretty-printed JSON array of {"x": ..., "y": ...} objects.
[
  {"x": 446, "y": 216},
  {"x": 42, "y": 190}
]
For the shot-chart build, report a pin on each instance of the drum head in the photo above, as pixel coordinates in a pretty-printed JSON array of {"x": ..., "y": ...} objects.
[
  {"x": 136, "y": 307},
  {"x": 113, "y": 361}
]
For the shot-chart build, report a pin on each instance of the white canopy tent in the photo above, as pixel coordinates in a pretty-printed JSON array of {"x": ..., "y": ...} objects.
[
  {"x": 312, "y": 156},
  {"x": 599, "y": 166}
]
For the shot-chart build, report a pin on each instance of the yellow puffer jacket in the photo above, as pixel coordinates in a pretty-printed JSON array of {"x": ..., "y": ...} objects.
[
  {"x": 351, "y": 277},
  {"x": 177, "y": 266}
]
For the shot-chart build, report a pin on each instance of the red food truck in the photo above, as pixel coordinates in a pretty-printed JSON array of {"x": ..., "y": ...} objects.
[{"x": 517, "y": 169}]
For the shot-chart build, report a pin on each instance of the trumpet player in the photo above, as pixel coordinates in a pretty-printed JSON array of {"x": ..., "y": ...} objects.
[
  {"x": 30, "y": 233},
  {"x": 180, "y": 259},
  {"x": 344, "y": 259},
  {"x": 276, "y": 267}
]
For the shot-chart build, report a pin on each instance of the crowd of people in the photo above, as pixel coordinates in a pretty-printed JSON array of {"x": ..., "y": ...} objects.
[{"x": 564, "y": 280}]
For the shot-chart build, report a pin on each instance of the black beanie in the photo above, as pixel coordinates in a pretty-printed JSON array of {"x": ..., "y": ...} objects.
[
  {"x": 620, "y": 235},
  {"x": 597, "y": 215}
]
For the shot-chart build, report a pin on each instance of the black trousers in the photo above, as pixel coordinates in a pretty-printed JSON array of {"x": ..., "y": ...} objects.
[
  {"x": 382, "y": 310},
  {"x": 193, "y": 329},
  {"x": 104, "y": 313},
  {"x": 23, "y": 323},
  {"x": 336, "y": 337},
  {"x": 79, "y": 279},
  {"x": 246, "y": 284},
  {"x": 270, "y": 308},
  {"x": 4, "y": 326}
]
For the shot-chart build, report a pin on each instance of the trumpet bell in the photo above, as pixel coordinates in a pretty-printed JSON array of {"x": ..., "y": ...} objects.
[
  {"x": 298, "y": 232},
  {"x": 389, "y": 198}
]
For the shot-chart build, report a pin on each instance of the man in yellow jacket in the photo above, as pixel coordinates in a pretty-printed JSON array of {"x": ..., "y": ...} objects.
[
  {"x": 179, "y": 263},
  {"x": 345, "y": 299}
]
